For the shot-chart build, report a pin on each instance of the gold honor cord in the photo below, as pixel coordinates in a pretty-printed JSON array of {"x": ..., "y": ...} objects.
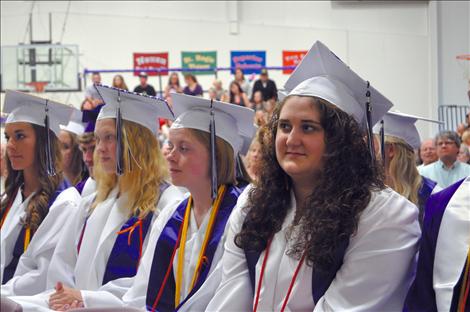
[
  {"x": 27, "y": 238},
  {"x": 179, "y": 272}
]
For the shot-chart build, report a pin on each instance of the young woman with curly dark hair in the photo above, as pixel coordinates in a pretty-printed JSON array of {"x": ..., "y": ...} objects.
[
  {"x": 35, "y": 204},
  {"x": 320, "y": 231}
]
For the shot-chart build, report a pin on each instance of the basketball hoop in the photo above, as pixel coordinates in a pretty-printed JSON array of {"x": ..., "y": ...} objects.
[{"x": 38, "y": 85}]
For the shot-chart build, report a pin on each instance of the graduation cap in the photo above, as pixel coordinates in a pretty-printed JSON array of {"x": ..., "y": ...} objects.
[
  {"x": 322, "y": 74},
  {"x": 232, "y": 123},
  {"x": 75, "y": 124},
  {"x": 23, "y": 107},
  {"x": 142, "y": 109},
  {"x": 402, "y": 126}
]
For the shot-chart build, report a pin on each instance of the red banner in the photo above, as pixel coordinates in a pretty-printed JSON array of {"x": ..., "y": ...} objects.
[
  {"x": 150, "y": 61},
  {"x": 291, "y": 58}
]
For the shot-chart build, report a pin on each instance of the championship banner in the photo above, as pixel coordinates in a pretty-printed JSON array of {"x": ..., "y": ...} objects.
[
  {"x": 291, "y": 58},
  {"x": 150, "y": 61},
  {"x": 250, "y": 61},
  {"x": 201, "y": 59}
]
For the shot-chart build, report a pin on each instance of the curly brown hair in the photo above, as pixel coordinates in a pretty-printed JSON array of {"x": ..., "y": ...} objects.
[
  {"x": 38, "y": 206},
  {"x": 331, "y": 212}
]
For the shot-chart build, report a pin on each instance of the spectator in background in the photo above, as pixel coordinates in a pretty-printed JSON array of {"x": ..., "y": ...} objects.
[
  {"x": 192, "y": 87},
  {"x": 466, "y": 137},
  {"x": 427, "y": 153},
  {"x": 92, "y": 97},
  {"x": 464, "y": 154},
  {"x": 237, "y": 96},
  {"x": 144, "y": 87},
  {"x": 447, "y": 170},
  {"x": 269, "y": 106},
  {"x": 257, "y": 103},
  {"x": 118, "y": 82},
  {"x": 244, "y": 84},
  {"x": 173, "y": 85},
  {"x": 212, "y": 93},
  {"x": 252, "y": 159},
  {"x": 266, "y": 86},
  {"x": 220, "y": 92}
]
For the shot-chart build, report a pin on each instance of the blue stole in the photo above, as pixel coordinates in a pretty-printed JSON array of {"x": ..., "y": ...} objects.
[
  {"x": 125, "y": 255},
  {"x": 80, "y": 185},
  {"x": 421, "y": 296},
  {"x": 425, "y": 191},
  {"x": 18, "y": 250},
  {"x": 166, "y": 244},
  {"x": 321, "y": 280}
]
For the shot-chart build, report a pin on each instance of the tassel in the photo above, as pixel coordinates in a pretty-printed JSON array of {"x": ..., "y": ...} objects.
[
  {"x": 382, "y": 141},
  {"x": 49, "y": 156},
  {"x": 119, "y": 145},
  {"x": 213, "y": 154},
  {"x": 238, "y": 168},
  {"x": 370, "y": 140}
]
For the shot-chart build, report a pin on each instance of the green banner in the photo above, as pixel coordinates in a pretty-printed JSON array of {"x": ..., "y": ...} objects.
[{"x": 206, "y": 60}]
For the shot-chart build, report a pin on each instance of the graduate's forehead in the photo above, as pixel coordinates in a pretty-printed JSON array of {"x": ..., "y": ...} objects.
[
  {"x": 105, "y": 125},
  {"x": 13, "y": 127},
  {"x": 181, "y": 135}
]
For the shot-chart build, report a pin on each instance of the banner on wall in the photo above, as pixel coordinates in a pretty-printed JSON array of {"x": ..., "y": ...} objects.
[
  {"x": 150, "y": 61},
  {"x": 291, "y": 58},
  {"x": 200, "y": 59},
  {"x": 250, "y": 61}
]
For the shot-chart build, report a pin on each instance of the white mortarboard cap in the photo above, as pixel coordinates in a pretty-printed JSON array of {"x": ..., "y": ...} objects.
[
  {"x": 75, "y": 124},
  {"x": 402, "y": 126},
  {"x": 233, "y": 123},
  {"x": 247, "y": 140},
  {"x": 322, "y": 74},
  {"x": 23, "y": 107},
  {"x": 138, "y": 108}
]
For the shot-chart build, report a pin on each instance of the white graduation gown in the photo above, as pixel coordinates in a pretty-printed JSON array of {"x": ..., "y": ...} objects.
[
  {"x": 31, "y": 272},
  {"x": 85, "y": 270},
  {"x": 375, "y": 274},
  {"x": 89, "y": 187},
  {"x": 136, "y": 296}
]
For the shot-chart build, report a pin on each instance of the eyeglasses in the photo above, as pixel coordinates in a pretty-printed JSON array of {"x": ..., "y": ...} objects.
[{"x": 448, "y": 142}]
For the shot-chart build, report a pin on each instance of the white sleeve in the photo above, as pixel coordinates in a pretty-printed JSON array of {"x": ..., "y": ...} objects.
[
  {"x": 31, "y": 272},
  {"x": 63, "y": 260},
  {"x": 235, "y": 291},
  {"x": 378, "y": 265}
]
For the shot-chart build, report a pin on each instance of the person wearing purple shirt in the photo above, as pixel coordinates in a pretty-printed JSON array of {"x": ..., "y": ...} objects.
[{"x": 192, "y": 87}]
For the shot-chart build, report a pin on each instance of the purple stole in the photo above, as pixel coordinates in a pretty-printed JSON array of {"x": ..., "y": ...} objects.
[
  {"x": 80, "y": 185},
  {"x": 321, "y": 280},
  {"x": 421, "y": 296},
  {"x": 166, "y": 244},
  {"x": 18, "y": 250},
  {"x": 125, "y": 255},
  {"x": 427, "y": 186}
]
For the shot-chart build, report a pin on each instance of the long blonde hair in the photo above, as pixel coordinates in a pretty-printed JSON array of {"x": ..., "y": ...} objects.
[
  {"x": 148, "y": 170},
  {"x": 401, "y": 170}
]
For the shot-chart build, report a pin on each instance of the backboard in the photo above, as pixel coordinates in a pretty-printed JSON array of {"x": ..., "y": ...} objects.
[{"x": 56, "y": 66}]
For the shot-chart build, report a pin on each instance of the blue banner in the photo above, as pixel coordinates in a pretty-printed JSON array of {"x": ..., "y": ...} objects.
[{"x": 250, "y": 61}]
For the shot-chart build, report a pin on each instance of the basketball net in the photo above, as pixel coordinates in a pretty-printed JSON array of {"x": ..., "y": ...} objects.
[{"x": 38, "y": 85}]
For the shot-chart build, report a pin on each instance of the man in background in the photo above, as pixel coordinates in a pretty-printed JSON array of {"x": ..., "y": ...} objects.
[
  {"x": 447, "y": 170},
  {"x": 144, "y": 87}
]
